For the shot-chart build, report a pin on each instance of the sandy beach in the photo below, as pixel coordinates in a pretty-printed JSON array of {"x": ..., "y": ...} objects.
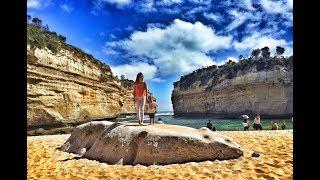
[{"x": 45, "y": 161}]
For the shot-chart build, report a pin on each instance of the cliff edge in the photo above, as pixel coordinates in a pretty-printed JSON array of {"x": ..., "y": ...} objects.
[
  {"x": 250, "y": 86},
  {"x": 66, "y": 85}
]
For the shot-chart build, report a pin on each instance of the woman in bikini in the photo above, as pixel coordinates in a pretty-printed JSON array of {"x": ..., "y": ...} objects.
[{"x": 140, "y": 93}]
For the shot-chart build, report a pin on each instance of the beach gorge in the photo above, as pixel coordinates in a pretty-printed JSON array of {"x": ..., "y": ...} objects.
[
  {"x": 67, "y": 87},
  {"x": 217, "y": 77}
]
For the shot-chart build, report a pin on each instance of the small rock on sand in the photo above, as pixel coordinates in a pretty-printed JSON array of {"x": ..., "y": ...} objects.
[{"x": 255, "y": 154}]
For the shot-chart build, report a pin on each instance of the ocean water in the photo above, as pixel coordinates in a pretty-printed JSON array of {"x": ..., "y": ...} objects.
[{"x": 220, "y": 124}]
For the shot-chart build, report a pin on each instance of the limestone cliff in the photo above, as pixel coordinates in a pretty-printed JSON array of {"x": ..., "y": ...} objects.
[
  {"x": 64, "y": 84},
  {"x": 250, "y": 86}
]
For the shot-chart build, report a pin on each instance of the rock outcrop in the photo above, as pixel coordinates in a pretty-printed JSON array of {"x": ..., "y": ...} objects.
[
  {"x": 247, "y": 87},
  {"x": 66, "y": 85},
  {"x": 130, "y": 144}
]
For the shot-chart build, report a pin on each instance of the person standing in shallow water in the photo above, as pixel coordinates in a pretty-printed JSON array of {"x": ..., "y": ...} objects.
[
  {"x": 140, "y": 93},
  {"x": 256, "y": 123},
  {"x": 274, "y": 125},
  {"x": 209, "y": 125},
  {"x": 245, "y": 124},
  {"x": 283, "y": 125}
]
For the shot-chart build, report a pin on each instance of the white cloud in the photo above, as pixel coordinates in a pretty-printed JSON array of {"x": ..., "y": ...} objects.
[
  {"x": 200, "y": 1},
  {"x": 277, "y": 6},
  {"x": 192, "y": 12},
  {"x": 240, "y": 17},
  {"x": 273, "y": 6},
  {"x": 256, "y": 40},
  {"x": 129, "y": 28},
  {"x": 273, "y": 28},
  {"x": 120, "y": 4},
  {"x": 108, "y": 48},
  {"x": 283, "y": 7},
  {"x": 146, "y": 6},
  {"x": 214, "y": 17},
  {"x": 130, "y": 71},
  {"x": 66, "y": 8},
  {"x": 288, "y": 49},
  {"x": 232, "y": 58},
  {"x": 158, "y": 80},
  {"x": 252, "y": 27},
  {"x": 87, "y": 50},
  {"x": 174, "y": 10},
  {"x": 179, "y": 48},
  {"x": 112, "y": 36},
  {"x": 33, "y": 4},
  {"x": 109, "y": 51},
  {"x": 179, "y": 35},
  {"x": 102, "y": 34},
  {"x": 289, "y": 4},
  {"x": 38, "y": 4},
  {"x": 156, "y": 25},
  {"x": 247, "y": 4},
  {"x": 169, "y": 2}
]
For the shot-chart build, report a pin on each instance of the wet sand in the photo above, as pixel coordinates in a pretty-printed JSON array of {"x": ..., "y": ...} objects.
[{"x": 275, "y": 161}]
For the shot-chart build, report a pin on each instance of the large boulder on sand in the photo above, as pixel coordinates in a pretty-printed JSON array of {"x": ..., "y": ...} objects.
[
  {"x": 84, "y": 136},
  {"x": 153, "y": 144}
]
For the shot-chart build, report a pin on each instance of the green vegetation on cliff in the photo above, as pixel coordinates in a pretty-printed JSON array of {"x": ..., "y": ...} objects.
[
  {"x": 39, "y": 36},
  {"x": 232, "y": 69}
]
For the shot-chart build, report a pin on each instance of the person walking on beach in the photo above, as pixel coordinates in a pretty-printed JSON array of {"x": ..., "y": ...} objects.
[
  {"x": 245, "y": 122},
  {"x": 245, "y": 125},
  {"x": 209, "y": 125},
  {"x": 140, "y": 93},
  {"x": 256, "y": 123},
  {"x": 213, "y": 128},
  {"x": 274, "y": 126},
  {"x": 283, "y": 126}
]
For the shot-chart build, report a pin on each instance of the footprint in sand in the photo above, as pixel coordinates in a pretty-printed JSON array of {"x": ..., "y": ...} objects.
[{"x": 258, "y": 170}]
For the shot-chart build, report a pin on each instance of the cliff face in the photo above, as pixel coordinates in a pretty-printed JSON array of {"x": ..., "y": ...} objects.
[
  {"x": 247, "y": 87},
  {"x": 65, "y": 84}
]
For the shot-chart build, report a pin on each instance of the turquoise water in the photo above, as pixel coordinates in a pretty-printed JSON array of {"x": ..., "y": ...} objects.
[{"x": 220, "y": 124}]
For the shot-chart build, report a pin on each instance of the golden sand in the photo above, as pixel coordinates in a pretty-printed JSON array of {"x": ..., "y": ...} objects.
[{"x": 275, "y": 161}]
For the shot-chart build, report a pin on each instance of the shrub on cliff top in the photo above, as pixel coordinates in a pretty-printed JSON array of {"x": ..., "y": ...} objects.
[{"x": 230, "y": 70}]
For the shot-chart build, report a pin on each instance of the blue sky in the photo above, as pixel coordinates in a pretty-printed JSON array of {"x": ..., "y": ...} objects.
[{"x": 165, "y": 39}]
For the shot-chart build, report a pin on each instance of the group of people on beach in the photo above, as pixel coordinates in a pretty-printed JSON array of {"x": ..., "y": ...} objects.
[
  {"x": 257, "y": 124},
  {"x": 210, "y": 126}
]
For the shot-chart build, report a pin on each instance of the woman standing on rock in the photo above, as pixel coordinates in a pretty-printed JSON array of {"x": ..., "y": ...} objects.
[{"x": 140, "y": 93}]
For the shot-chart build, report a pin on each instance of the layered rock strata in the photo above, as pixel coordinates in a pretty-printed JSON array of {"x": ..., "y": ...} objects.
[
  {"x": 234, "y": 89},
  {"x": 67, "y": 86}
]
